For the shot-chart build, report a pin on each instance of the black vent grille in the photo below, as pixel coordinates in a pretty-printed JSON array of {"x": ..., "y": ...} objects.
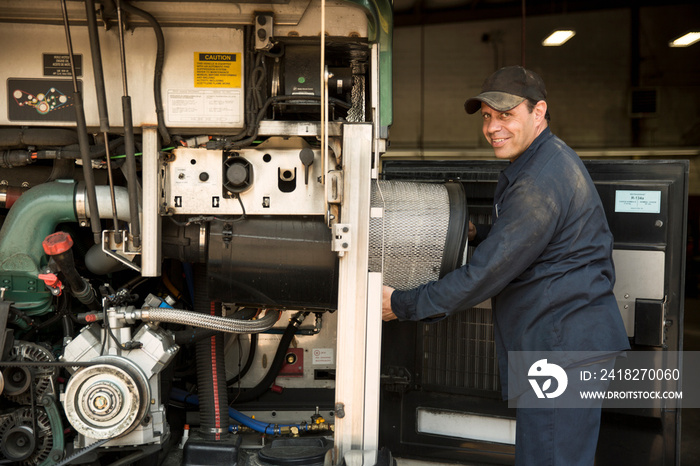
[{"x": 459, "y": 353}]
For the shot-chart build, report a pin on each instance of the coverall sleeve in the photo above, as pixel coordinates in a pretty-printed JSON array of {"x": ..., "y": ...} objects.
[{"x": 526, "y": 222}]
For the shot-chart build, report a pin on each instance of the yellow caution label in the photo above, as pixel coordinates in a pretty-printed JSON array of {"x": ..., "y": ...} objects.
[{"x": 217, "y": 69}]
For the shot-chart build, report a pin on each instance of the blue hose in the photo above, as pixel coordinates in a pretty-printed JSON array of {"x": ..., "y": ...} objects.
[{"x": 178, "y": 394}]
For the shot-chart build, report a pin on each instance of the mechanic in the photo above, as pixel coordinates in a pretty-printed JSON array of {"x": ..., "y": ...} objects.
[{"x": 546, "y": 262}]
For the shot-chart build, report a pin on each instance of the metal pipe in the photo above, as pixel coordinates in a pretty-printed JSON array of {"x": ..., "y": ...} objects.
[
  {"x": 121, "y": 197},
  {"x": 83, "y": 136},
  {"x": 36, "y": 213}
]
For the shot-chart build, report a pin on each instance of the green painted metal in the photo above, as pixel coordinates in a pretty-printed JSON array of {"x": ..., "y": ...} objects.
[
  {"x": 381, "y": 24},
  {"x": 31, "y": 219}
]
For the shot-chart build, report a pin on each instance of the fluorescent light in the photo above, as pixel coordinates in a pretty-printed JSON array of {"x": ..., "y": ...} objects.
[
  {"x": 685, "y": 40},
  {"x": 558, "y": 37}
]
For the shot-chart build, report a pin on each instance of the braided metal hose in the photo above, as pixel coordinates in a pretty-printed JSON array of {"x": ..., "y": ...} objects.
[{"x": 196, "y": 319}]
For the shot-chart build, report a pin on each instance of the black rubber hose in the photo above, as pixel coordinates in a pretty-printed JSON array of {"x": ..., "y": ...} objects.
[
  {"x": 264, "y": 385},
  {"x": 15, "y": 158},
  {"x": 211, "y": 369},
  {"x": 72, "y": 151},
  {"x": 58, "y": 247},
  {"x": 248, "y": 362},
  {"x": 234, "y": 143},
  {"x": 158, "y": 70},
  {"x": 192, "y": 335},
  {"x": 16, "y": 138}
]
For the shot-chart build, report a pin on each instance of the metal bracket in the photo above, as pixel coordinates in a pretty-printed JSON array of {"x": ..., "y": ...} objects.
[
  {"x": 398, "y": 379},
  {"x": 340, "y": 410},
  {"x": 127, "y": 253},
  {"x": 342, "y": 239},
  {"x": 335, "y": 186},
  {"x": 264, "y": 24}
]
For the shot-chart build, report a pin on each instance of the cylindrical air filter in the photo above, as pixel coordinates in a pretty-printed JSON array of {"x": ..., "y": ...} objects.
[{"x": 418, "y": 231}]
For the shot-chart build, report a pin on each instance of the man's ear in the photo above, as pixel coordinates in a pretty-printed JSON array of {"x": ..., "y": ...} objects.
[{"x": 540, "y": 110}]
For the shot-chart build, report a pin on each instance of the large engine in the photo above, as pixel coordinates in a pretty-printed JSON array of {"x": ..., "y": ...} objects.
[{"x": 192, "y": 218}]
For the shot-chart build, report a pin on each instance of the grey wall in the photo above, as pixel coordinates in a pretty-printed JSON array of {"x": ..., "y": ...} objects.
[{"x": 437, "y": 67}]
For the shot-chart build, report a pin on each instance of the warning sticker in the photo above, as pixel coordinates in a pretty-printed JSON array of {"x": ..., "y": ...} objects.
[
  {"x": 217, "y": 69},
  {"x": 322, "y": 356}
]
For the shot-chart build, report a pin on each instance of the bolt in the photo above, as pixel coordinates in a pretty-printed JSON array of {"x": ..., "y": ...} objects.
[
  {"x": 345, "y": 245},
  {"x": 340, "y": 410},
  {"x": 346, "y": 229},
  {"x": 181, "y": 176}
]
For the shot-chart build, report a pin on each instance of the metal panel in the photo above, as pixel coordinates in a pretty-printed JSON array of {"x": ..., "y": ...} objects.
[
  {"x": 151, "y": 221},
  {"x": 631, "y": 285},
  {"x": 194, "y": 183},
  {"x": 352, "y": 344},
  {"x": 185, "y": 105}
]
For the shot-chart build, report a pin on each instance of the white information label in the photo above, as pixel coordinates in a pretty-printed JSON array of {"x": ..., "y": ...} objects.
[
  {"x": 322, "y": 356},
  {"x": 203, "y": 106},
  {"x": 646, "y": 202}
]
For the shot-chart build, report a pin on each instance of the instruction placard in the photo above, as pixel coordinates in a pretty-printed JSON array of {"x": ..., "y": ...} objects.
[
  {"x": 204, "y": 106},
  {"x": 58, "y": 64},
  {"x": 217, "y": 69},
  {"x": 322, "y": 356},
  {"x": 647, "y": 202}
]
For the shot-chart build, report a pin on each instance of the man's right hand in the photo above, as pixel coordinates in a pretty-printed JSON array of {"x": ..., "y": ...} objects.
[
  {"x": 472, "y": 232},
  {"x": 387, "y": 313}
]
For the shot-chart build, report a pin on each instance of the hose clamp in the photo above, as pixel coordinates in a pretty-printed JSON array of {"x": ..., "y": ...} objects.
[{"x": 81, "y": 204}]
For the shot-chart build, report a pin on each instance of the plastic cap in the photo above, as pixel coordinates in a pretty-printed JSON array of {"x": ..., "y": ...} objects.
[{"x": 57, "y": 243}]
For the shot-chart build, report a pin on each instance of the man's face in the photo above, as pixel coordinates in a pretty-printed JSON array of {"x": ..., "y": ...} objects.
[{"x": 510, "y": 133}]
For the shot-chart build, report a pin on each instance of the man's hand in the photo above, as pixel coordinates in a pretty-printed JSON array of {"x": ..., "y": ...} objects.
[
  {"x": 472, "y": 232},
  {"x": 387, "y": 313}
]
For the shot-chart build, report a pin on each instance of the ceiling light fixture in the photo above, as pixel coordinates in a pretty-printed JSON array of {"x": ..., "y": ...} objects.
[
  {"x": 686, "y": 40},
  {"x": 558, "y": 37}
]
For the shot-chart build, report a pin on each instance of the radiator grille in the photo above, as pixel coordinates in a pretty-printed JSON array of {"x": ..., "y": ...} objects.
[{"x": 459, "y": 353}]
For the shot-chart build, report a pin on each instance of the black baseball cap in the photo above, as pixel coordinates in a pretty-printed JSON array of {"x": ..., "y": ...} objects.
[{"x": 507, "y": 88}]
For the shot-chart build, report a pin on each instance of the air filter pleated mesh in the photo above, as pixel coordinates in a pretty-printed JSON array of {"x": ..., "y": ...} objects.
[{"x": 408, "y": 229}]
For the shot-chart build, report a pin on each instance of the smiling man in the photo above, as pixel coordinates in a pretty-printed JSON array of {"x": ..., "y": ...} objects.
[{"x": 546, "y": 262}]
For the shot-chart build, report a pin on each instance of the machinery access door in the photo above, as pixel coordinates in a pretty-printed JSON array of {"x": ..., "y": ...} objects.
[{"x": 440, "y": 395}]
